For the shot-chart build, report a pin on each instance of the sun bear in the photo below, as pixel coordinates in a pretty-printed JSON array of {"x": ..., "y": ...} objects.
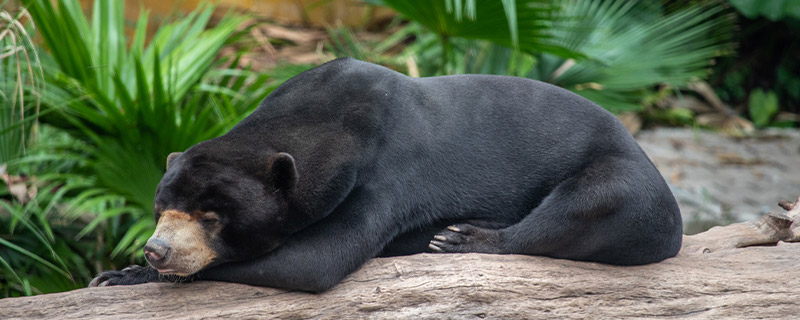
[{"x": 351, "y": 160}]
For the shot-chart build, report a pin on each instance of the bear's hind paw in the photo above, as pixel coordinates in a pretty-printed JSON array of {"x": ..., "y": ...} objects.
[{"x": 464, "y": 238}]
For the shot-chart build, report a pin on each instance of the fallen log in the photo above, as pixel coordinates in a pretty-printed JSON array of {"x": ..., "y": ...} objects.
[
  {"x": 744, "y": 270},
  {"x": 768, "y": 230}
]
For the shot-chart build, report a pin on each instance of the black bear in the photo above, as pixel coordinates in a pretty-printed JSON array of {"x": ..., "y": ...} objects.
[{"x": 350, "y": 160}]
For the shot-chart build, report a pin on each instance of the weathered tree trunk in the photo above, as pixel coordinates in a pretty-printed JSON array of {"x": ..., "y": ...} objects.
[{"x": 712, "y": 277}]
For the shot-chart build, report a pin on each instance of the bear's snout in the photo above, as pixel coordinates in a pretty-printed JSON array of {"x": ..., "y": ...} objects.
[
  {"x": 180, "y": 244},
  {"x": 155, "y": 251}
]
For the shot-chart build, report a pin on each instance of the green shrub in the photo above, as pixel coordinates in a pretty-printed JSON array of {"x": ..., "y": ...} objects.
[
  {"x": 762, "y": 107},
  {"x": 612, "y": 52},
  {"x": 113, "y": 108},
  {"x": 771, "y": 9},
  {"x": 18, "y": 107}
]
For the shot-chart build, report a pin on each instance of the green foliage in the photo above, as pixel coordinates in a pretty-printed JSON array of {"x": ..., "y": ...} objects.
[
  {"x": 137, "y": 104},
  {"x": 18, "y": 107},
  {"x": 611, "y": 52},
  {"x": 672, "y": 116},
  {"x": 520, "y": 24},
  {"x": 42, "y": 243},
  {"x": 134, "y": 105},
  {"x": 765, "y": 59},
  {"x": 763, "y": 106},
  {"x": 633, "y": 46},
  {"x": 115, "y": 107},
  {"x": 343, "y": 43},
  {"x": 789, "y": 82},
  {"x": 774, "y": 10}
]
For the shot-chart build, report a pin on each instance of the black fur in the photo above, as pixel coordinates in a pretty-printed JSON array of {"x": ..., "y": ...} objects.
[{"x": 382, "y": 164}]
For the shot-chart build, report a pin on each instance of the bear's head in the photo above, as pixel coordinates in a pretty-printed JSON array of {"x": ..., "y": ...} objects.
[{"x": 213, "y": 210}]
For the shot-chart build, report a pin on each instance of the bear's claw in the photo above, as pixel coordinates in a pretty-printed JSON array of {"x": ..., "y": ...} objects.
[
  {"x": 127, "y": 276},
  {"x": 465, "y": 238},
  {"x": 434, "y": 247}
]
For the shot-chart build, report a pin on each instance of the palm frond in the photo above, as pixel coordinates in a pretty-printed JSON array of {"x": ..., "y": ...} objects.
[
  {"x": 521, "y": 24},
  {"x": 632, "y": 50}
]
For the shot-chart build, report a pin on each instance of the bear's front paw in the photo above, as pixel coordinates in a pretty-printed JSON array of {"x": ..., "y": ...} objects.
[
  {"x": 467, "y": 238},
  {"x": 128, "y": 276}
]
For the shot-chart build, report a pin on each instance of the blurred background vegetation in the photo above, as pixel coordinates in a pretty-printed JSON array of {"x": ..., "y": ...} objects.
[{"x": 95, "y": 94}]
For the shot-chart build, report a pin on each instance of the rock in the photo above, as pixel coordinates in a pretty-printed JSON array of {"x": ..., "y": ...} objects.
[{"x": 719, "y": 179}]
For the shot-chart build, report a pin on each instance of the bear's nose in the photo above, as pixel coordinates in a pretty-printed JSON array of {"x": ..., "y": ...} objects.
[{"x": 155, "y": 250}]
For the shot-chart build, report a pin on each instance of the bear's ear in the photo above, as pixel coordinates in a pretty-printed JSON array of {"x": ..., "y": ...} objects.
[
  {"x": 171, "y": 157},
  {"x": 282, "y": 171}
]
